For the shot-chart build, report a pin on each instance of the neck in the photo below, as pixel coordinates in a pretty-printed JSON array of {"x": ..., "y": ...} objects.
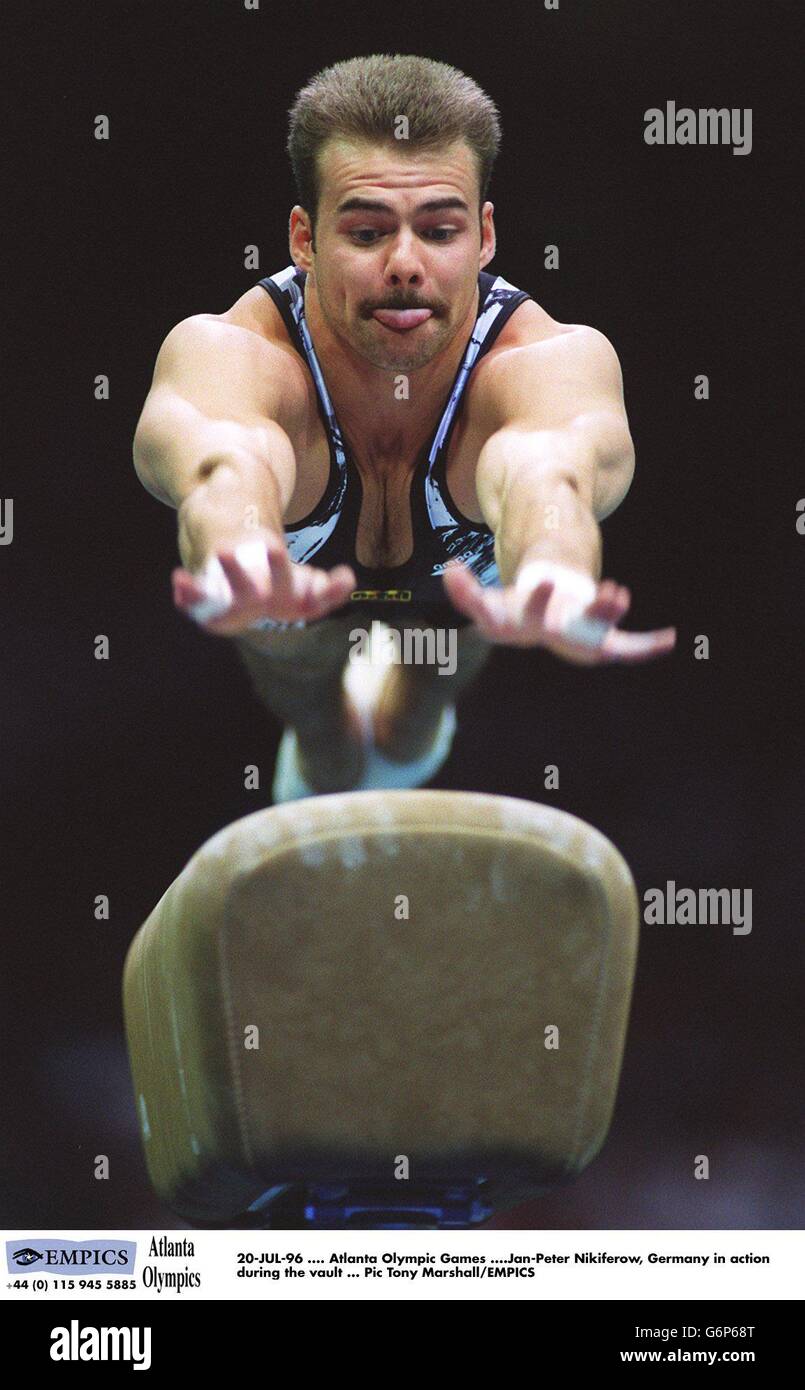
[{"x": 384, "y": 433}]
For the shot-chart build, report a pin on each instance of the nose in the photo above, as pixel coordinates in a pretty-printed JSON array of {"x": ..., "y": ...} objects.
[{"x": 404, "y": 264}]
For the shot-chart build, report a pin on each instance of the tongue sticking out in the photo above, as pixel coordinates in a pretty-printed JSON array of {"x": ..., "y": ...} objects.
[{"x": 401, "y": 318}]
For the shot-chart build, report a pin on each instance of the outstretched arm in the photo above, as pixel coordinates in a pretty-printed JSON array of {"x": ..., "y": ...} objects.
[
  {"x": 558, "y": 460},
  {"x": 214, "y": 441}
]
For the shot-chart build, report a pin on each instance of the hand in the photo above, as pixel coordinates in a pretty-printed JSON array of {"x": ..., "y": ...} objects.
[
  {"x": 258, "y": 579},
  {"x": 553, "y": 606}
]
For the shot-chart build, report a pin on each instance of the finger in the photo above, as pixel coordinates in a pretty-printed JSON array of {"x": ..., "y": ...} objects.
[
  {"x": 638, "y": 646},
  {"x": 304, "y": 593},
  {"x": 246, "y": 568},
  {"x": 468, "y": 596},
  {"x": 611, "y": 603},
  {"x": 489, "y": 607},
  {"x": 186, "y": 589},
  {"x": 213, "y": 595},
  {"x": 295, "y": 598},
  {"x": 537, "y": 602},
  {"x": 281, "y": 569},
  {"x": 463, "y": 588},
  {"x": 310, "y": 587},
  {"x": 325, "y": 591},
  {"x": 342, "y": 581},
  {"x": 591, "y": 627},
  {"x": 492, "y": 615},
  {"x": 585, "y": 631}
]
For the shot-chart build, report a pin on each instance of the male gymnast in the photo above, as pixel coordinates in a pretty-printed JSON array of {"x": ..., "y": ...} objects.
[{"x": 385, "y": 430}]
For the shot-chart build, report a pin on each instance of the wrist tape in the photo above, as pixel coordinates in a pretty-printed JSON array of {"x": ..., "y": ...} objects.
[
  {"x": 580, "y": 588},
  {"x": 251, "y": 556}
]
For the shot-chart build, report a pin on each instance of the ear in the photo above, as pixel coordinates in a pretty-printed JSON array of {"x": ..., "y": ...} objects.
[
  {"x": 488, "y": 238},
  {"x": 300, "y": 238}
]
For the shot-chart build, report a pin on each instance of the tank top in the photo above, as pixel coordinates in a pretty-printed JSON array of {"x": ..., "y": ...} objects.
[{"x": 327, "y": 535}]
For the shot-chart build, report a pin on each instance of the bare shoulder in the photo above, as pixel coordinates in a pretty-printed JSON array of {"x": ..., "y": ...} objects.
[
  {"x": 532, "y": 338},
  {"x": 256, "y": 311},
  {"x": 536, "y": 355},
  {"x": 221, "y": 356},
  {"x": 531, "y": 323}
]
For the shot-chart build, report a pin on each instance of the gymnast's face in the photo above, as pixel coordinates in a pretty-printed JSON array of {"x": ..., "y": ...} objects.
[{"x": 395, "y": 232}]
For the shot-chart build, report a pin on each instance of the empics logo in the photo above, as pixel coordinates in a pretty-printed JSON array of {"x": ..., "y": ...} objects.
[
  {"x": 102, "y": 1344},
  {"x": 55, "y": 1256}
]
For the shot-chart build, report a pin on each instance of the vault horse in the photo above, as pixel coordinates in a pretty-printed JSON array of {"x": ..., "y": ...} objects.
[{"x": 384, "y": 1009}]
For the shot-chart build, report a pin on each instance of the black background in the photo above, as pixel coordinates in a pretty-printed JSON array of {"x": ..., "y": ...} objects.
[{"x": 115, "y": 772}]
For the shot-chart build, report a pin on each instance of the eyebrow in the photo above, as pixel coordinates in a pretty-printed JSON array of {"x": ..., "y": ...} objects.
[{"x": 370, "y": 205}]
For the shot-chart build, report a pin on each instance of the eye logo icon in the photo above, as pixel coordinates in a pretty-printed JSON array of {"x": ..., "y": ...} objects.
[{"x": 26, "y": 1256}]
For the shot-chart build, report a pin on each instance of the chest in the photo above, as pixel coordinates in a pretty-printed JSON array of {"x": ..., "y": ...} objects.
[
  {"x": 385, "y": 536},
  {"x": 385, "y": 532}
]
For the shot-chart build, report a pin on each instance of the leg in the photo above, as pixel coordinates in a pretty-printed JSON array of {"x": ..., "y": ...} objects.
[
  {"x": 413, "y": 696},
  {"x": 297, "y": 674}
]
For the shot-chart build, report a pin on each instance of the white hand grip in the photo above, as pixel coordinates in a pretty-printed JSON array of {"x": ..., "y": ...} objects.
[
  {"x": 577, "y": 592},
  {"x": 217, "y": 591},
  {"x": 251, "y": 556}
]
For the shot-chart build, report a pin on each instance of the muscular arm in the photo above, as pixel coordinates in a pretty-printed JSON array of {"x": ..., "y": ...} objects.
[
  {"x": 215, "y": 441},
  {"x": 560, "y": 458},
  {"x": 212, "y": 440}
]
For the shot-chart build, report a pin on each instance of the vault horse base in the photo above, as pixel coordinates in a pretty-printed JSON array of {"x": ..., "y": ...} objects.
[
  {"x": 441, "y": 1206},
  {"x": 381, "y": 1009}
]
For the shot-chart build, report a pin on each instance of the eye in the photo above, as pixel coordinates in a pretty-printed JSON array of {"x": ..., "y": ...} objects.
[{"x": 439, "y": 234}]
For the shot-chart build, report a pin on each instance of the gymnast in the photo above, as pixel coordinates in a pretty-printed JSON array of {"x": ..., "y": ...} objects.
[{"x": 384, "y": 431}]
